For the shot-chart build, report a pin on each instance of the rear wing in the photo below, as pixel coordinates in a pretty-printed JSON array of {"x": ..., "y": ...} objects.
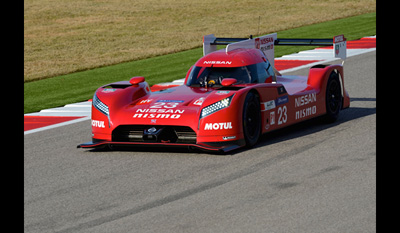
[{"x": 267, "y": 43}]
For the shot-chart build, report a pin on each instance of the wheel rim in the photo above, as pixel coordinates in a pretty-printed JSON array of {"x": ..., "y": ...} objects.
[
  {"x": 251, "y": 119},
  {"x": 334, "y": 96}
]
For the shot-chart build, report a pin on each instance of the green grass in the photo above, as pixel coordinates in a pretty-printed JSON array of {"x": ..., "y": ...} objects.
[
  {"x": 76, "y": 87},
  {"x": 66, "y": 36}
]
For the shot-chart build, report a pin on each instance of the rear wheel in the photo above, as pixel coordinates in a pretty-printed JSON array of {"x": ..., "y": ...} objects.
[
  {"x": 333, "y": 98},
  {"x": 251, "y": 119}
]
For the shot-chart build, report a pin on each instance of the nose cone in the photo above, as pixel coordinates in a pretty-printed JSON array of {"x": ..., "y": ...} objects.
[{"x": 174, "y": 106}]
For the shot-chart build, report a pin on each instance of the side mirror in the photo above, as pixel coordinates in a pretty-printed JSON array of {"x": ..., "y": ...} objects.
[
  {"x": 136, "y": 80},
  {"x": 226, "y": 82}
]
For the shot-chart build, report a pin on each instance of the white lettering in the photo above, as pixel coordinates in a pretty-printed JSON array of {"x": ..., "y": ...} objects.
[
  {"x": 98, "y": 124},
  {"x": 150, "y": 116},
  {"x": 174, "y": 111},
  {"x": 306, "y": 112},
  {"x": 218, "y": 62},
  {"x": 282, "y": 112},
  {"x": 165, "y": 104},
  {"x": 218, "y": 126},
  {"x": 305, "y": 99}
]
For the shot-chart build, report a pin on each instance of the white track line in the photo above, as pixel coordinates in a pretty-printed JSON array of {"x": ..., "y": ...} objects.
[{"x": 57, "y": 125}]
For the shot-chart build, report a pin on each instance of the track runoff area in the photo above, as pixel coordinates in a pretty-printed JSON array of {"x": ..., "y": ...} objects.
[{"x": 73, "y": 113}]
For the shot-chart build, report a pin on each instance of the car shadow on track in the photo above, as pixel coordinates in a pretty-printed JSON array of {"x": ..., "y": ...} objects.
[
  {"x": 145, "y": 148},
  {"x": 314, "y": 125}
]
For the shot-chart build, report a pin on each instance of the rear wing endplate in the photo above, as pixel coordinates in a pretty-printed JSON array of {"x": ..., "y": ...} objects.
[{"x": 267, "y": 43}]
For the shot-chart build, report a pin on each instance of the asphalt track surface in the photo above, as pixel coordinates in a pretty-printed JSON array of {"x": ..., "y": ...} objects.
[{"x": 310, "y": 177}]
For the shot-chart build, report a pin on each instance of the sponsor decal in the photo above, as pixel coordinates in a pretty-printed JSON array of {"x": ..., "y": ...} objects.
[
  {"x": 158, "y": 113},
  {"x": 98, "y": 124},
  {"x": 339, "y": 38},
  {"x": 282, "y": 115},
  {"x": 340, "y": 46},
  {"x": 168, "y": 104},
  {"x": 281, "y": 90},
  {"x": 262, "y": 41},
  {"x": 265, "y": 106},
  {"x": 144, "y": 102},
  {"x": 161, "y": 116},
  {"x": 305, "y": 99},
  {"x": 264, "y": 44},
  {"x": 108, "y": 90},
  {"x": 222, "y": 92},
  {"x": 266, "y": 40},
  {"x": 218, "y": 62},
  {"x": 218, "y": 126},
  {"x": 306, "y": 112},
  {"x": 161, "y": 110},
  {"x": 272, "y": 117},
  {"x": 199, "y": 101},
  {"x": 228, "y": 137},
  {"x": 265, "y": 48},
  {"x": 282, "y": 100}
]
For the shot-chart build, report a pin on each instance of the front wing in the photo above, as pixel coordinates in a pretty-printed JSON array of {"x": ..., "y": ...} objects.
[{"x": 217, "y": 147}]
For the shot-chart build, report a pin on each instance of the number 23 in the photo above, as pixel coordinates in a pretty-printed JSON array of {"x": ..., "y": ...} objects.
[
  {"x": 164, "y": 105},
  {"x": 282, "y": 112}
]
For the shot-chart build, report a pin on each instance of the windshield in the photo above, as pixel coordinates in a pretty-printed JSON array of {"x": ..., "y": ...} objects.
[
  {"x": 214, "y": 75},
  {"x": 256, "y": 73}
]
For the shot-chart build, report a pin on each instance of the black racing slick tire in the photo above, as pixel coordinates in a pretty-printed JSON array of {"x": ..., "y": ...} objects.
[
  {"x": 251, "y": 119},
  {"x": 333, "y": 99}
]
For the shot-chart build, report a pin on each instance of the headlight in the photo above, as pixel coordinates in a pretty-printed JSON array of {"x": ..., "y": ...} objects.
[
  {"x": 100, "y": 105},
  {"x": 210, "y": 109}
]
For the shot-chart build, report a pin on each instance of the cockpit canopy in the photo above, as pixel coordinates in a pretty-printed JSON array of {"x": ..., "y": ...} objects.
[{"x": 210, "y": 76}]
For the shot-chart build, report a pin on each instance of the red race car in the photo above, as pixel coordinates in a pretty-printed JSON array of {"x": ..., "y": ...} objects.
[{"x": 228, "y": 99}]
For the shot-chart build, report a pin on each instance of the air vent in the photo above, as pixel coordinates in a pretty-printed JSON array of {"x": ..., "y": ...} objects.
[{"x": 154, "y": 133}]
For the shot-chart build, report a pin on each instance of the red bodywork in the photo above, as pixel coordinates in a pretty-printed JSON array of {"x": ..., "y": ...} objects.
[{"x": 172, "y": 117}]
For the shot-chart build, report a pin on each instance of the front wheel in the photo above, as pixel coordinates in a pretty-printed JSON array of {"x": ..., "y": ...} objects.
[
  {"x": 251, "y": 119},
  {"x": 333, "y": 97}
]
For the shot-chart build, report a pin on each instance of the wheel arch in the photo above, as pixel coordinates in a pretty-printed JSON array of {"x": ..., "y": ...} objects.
[
  {"x": 319, "y": 74},
  {"x": 249, "y": 138}
]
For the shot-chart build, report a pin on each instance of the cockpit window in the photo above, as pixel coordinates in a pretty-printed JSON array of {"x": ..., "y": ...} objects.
[
  {"x": 210, "y": 76},
  {"x": 214, "y": 75}
]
